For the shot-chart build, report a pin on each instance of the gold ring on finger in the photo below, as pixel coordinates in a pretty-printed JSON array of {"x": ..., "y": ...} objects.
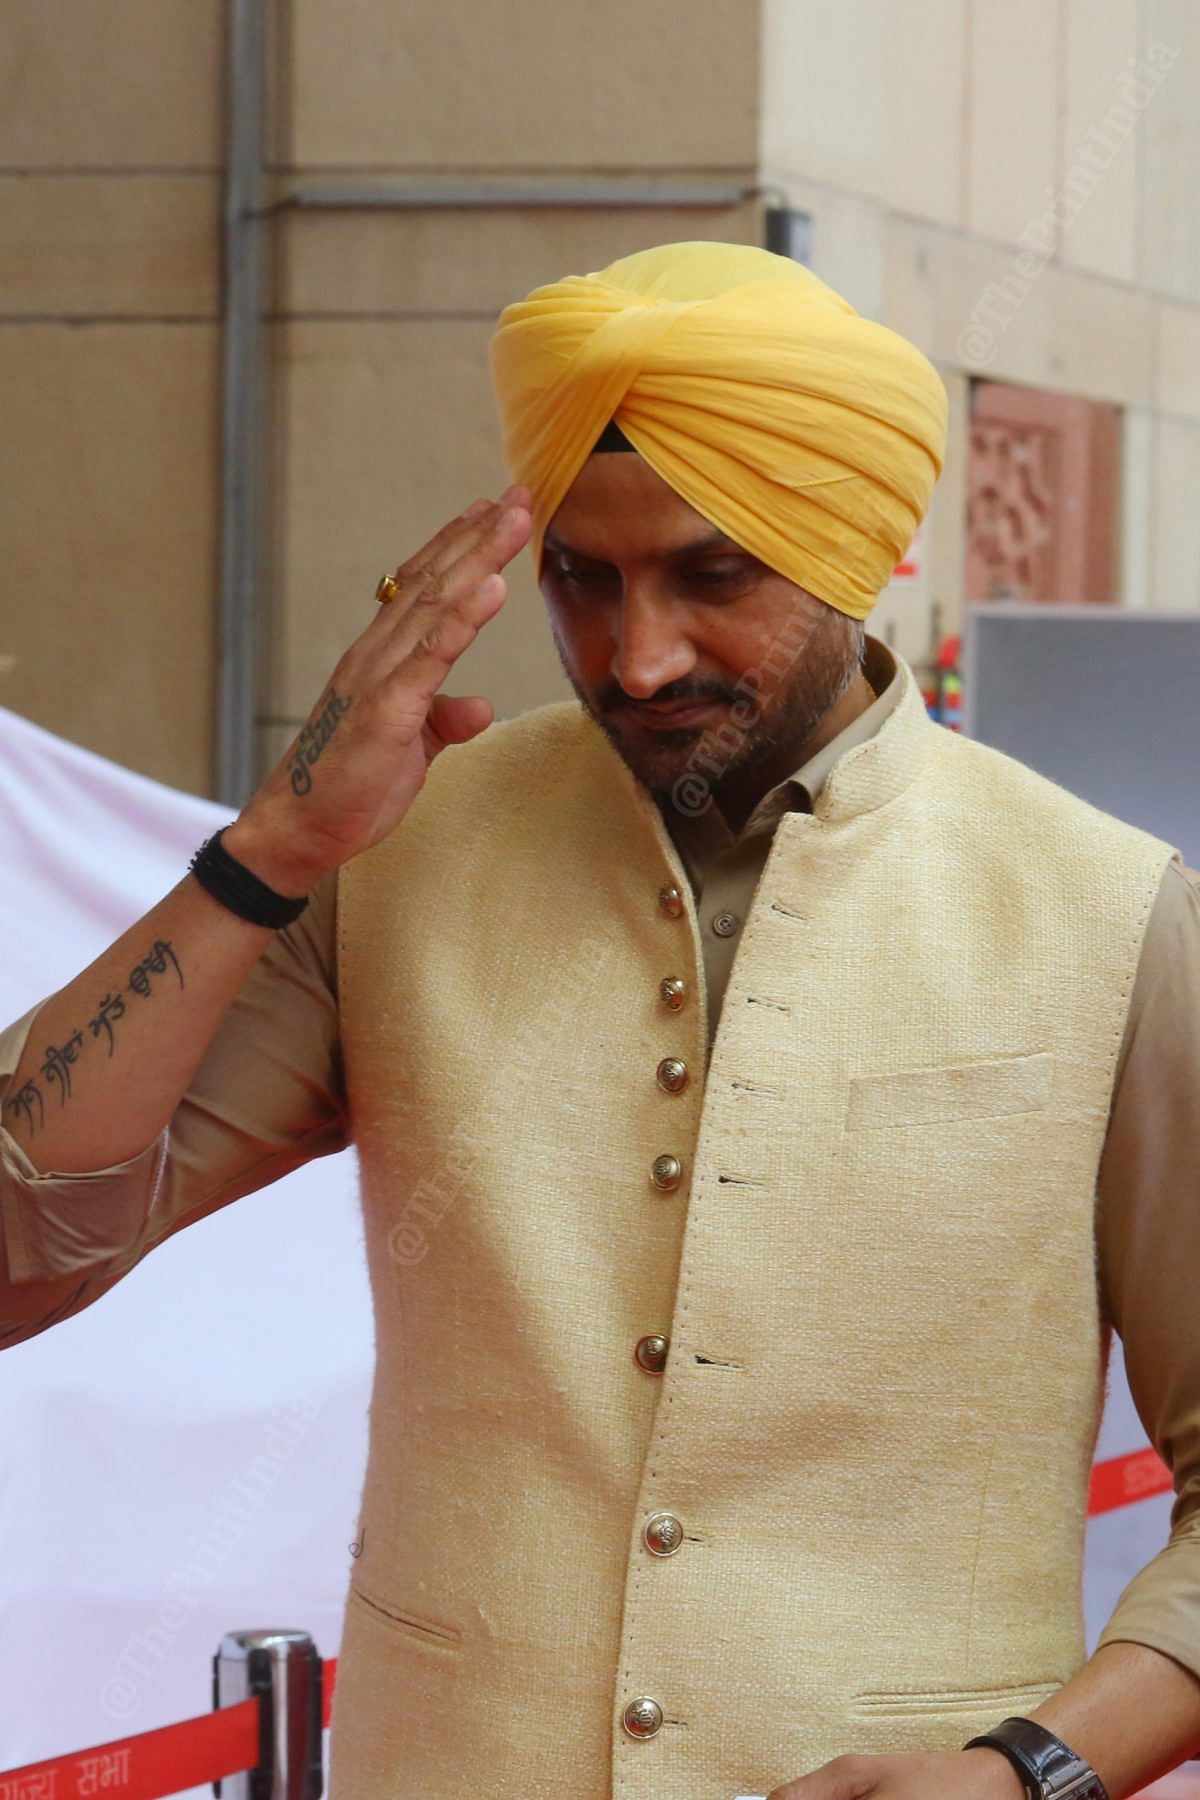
[{"x": 388, "y": 588}]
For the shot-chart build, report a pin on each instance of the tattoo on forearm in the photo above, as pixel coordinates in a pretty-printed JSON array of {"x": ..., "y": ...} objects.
[
  {"x": 154, "y": 964},
  {"x": 111, "y": 1008},
  {"x": 24, "y": 1100},
  {"x": 313, "y": 738},
  {"x": 58, "y": 1063},
  {"x": 61, "y": 1058}
]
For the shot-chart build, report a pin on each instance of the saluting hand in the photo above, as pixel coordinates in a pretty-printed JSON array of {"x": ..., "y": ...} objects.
[{"x": 356, "y": 766}]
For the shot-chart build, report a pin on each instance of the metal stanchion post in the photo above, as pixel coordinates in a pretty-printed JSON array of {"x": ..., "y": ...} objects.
[{"x": 285, "y": 1668}]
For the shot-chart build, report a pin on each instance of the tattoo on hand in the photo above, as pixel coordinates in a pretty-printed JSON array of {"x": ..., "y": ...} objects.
[
  {"x": 60, "y": 1058},
  {"x": 313, "y": 738}
]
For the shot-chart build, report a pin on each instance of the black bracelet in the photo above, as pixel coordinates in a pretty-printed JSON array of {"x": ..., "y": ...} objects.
[{"x": 238, "y": 888}]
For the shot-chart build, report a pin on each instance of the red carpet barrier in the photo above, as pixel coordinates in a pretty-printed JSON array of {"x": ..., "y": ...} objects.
[
  {"x": 1122, "y": 1480},
  {"x": 154, "y": 1763},
  {"x": 158, "y": 1763}
]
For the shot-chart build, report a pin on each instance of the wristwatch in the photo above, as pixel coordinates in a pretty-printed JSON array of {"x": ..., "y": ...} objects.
[{"x": 1048, "y": 1769}]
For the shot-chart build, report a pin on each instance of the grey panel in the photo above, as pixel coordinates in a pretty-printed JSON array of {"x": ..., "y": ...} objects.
[{"x": 1103, "y": 701}]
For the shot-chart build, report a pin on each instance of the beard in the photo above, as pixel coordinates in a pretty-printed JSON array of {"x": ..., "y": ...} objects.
[{"x": 765, "y": 717}]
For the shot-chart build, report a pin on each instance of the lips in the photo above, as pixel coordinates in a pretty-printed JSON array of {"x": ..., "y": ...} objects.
[{"x": 689, "y": 713}]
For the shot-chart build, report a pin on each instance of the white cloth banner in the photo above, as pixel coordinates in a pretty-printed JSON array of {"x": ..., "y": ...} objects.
[
  {"x": 136, "y": 1525},
  {"x": 184, "y": 1457}
]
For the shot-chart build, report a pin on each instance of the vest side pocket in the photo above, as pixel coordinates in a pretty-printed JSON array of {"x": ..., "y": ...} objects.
[
  {"x": 401, "y": 1623},
  {"x": 934, "y": 1096}
]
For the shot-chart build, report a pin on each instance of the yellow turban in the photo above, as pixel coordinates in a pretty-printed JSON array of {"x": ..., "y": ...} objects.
[{"x": 810, "y": 436}]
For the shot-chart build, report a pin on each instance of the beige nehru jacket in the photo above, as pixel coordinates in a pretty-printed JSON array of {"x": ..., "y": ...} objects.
[{"x": 269, "y": 1095}]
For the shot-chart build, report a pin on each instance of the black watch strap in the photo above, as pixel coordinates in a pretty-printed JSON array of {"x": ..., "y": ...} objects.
[{"x": 1047, "y": 1767}]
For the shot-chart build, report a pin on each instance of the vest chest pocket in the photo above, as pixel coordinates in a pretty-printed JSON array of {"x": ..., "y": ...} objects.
[
  {"x": 998, "y": 1702},
  {"x": 934, "y": 1096}
]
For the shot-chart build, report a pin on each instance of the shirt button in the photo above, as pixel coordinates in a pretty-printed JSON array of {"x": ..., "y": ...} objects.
[
  {"x": 666, "y": 1173},
  {"x": 673, "y": 990},
  {"x": 671, "y": 901},
  {"x": 672, "y": 1074},
  {"x": 650, "y": 1353},
  {"x": 663, "y": 1534},
  {"x": 725, "y": 924},
  {"x": 642, "y": 1717}
]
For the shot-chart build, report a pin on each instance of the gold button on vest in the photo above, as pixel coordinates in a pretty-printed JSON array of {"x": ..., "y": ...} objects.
[
  {"x": 642, "y": 1717},
  {"x": 651, "y": 1353},
  {"x": 673, "y": 991},
  {"x": 663, "y": 1534},
  {"x": 672, "y": 1074}
]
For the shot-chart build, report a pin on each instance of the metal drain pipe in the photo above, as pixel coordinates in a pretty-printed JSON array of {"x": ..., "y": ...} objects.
[{"x": 241, "y": 400}]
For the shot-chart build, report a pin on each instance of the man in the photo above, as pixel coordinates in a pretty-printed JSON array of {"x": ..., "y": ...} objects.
[{"x": 734, "y": 1061}]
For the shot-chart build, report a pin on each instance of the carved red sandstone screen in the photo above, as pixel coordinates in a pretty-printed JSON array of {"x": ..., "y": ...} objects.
[{"x": 1041, "y": 496}]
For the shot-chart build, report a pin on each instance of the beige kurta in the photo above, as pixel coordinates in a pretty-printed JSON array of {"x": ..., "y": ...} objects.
[{"x": 269, "y": 1095}]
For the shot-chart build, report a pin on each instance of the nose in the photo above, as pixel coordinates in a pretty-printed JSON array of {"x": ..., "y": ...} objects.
[{"x": 652, "y": 649}]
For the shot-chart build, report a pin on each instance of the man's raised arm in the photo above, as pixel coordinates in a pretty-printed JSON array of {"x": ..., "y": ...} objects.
[{"x": 110, "y": 1056}]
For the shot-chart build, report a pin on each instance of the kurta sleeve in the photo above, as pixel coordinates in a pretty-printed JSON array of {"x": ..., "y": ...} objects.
[
  {"x": 267, "y": 1096},
  {"x": 1148, "y": 1240}
]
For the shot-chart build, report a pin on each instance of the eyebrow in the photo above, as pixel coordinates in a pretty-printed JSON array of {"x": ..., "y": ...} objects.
[{"x": 714, "y": 540}]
